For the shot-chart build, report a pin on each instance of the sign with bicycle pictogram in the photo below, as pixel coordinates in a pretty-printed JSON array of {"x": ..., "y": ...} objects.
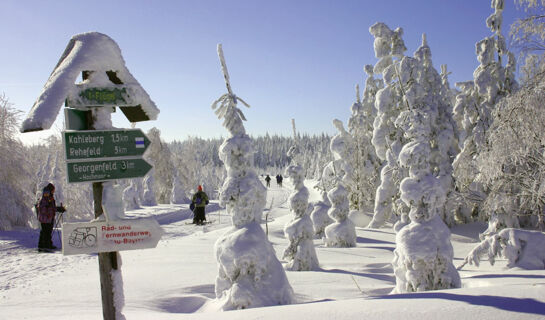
[{"x": 102, "y": 236}]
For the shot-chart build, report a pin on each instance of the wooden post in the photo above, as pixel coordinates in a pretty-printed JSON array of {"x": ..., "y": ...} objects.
[{"x": 107, "y": 261}]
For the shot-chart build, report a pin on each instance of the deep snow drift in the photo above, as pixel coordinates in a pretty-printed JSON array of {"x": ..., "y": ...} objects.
[{"x": 176, "y": 279}]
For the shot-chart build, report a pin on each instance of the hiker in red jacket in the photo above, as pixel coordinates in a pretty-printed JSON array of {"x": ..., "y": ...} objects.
[{"x": 46, "y": 215}]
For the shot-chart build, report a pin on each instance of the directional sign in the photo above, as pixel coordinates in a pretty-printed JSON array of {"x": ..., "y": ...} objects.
[
  {"x": 94, "y": 237},
  {"x": 96, "y": 96},
  {"x": 106, "y": 169},
  {"x": 104, "y": 144}
]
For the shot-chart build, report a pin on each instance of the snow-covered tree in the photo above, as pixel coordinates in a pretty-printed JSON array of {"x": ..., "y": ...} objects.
[
  {"x": 178, "y": 192},
  {"x": 364, "y": 161},
  {"x": 131, "y": 196},
  {"x": 423, "y": 255},
  {"x": 160, "y": 156},
  {"x": 491, "y": 82},
  {"x": 249, "y": 274},
  {"x": 320, "y": 218},
  {"x": 528, "y": 35},
  {"x": 15, "y": 195},
  {"x": 521, "y": 248},
  {"x": 341, "y": 233},
  {"x": 148, "y": 195},
  {"x": 435, "y": 92},
  {"x": 387, "y": 139},
  {"x": 300, "y": 253},
  {"x": 513, "y": 168}
]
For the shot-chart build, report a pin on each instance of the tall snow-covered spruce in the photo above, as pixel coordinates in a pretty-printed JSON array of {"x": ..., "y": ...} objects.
[
  {"x": 387, "y": 138},
  {"x": 341, "y": 233},
  {"x": 249, "y": 274},
  {"x": 423, "y": 255},
  {"x": 300, "y": 253}
]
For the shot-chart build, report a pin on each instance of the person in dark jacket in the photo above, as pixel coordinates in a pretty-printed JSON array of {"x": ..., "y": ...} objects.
[
  {"x": 199, "y": 202},
  {"x": 46, "y": 215},
  {"x": 279, "y": 179},
  {"x": 268, "y": 180}
]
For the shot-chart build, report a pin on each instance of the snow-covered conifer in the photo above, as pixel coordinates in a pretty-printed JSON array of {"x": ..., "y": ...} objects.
[
  {"x": 320, "y": 218},
  {"x": 300, "y": 253},
  {"x": 364, "y": 161},
  {"x": 178, "y": 191},
  {"x": 131, "y": 196},
  {"x": 387, "y": 139},
  {"x": 249, "y": 274},
  {"x": 341, "y": 233},
  {"x": 423, "y": 255},
  {"x": 148, "y": 196}
]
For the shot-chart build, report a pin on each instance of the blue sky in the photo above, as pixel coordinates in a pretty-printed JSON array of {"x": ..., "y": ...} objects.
[{"x": 287, "y": 59}]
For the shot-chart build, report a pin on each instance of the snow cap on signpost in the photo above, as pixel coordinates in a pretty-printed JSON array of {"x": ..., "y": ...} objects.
[{"x": 110, "y": 82}]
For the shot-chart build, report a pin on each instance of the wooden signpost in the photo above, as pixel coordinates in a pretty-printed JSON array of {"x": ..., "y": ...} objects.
[{"x": 98, "y": 155}]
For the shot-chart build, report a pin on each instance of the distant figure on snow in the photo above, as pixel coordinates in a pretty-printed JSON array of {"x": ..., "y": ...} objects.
[
  {"x": 268, "y": 180},
  {"x": 46, "y": 210},
  {"x": 279, "y": 179},
  {"x": 198, "y": 203}
]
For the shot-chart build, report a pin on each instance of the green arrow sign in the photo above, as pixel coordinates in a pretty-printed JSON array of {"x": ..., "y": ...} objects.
[
  {"x": 102, "y": 170},
  {"x": 104, "y": 144}
]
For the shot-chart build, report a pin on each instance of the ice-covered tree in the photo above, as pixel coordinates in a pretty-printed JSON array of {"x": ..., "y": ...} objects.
[
  {"x": 300, "y": 253},
  {"x": 387, "y": 138},
  {"x": 521, "y": 248},
  {"x": 342, "y": 232},
  {"x": 364, "y": 161},
  {"x": 320, "y": 218},
  {"x": 249, "y": 274},
  {"x": 491, "y": 82}
]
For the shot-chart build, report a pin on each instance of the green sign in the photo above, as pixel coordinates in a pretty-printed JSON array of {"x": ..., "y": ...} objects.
[
  {"x": 104, "y": 144},
  {"x": 104, "y": 96},
  {"x": 102, "y": 170},
  {"x": 101, "y": 97}
]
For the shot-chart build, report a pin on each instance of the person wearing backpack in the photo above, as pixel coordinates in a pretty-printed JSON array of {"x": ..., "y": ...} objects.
[
  {"x": 46, "y": 215},
  {"x": 199, "y": 202}
]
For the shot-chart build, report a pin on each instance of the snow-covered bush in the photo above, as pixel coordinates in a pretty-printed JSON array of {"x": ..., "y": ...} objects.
[
  {"x": 521, "y": 248},
  {"x": 341, "y": 233},
  {"x": 249, "y": 274}
]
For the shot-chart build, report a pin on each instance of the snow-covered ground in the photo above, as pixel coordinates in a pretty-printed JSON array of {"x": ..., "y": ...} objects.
[{"x": 176, "y": 279}]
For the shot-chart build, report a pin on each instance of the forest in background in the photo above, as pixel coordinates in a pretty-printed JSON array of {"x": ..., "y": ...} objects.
[{"x": 496, "y": 160}]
